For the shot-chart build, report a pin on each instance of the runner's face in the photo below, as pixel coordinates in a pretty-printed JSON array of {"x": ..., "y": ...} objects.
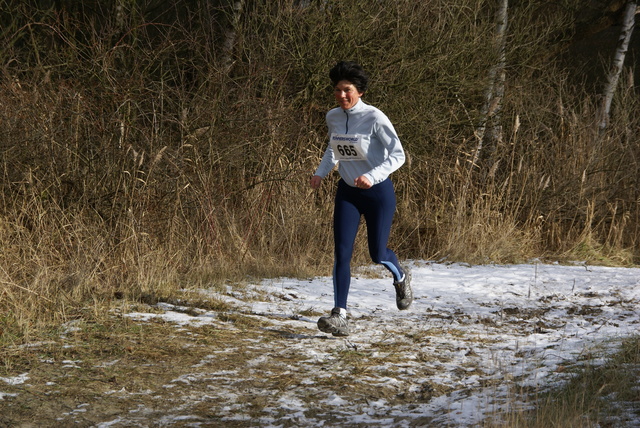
[{"x": 346, "y": 94}]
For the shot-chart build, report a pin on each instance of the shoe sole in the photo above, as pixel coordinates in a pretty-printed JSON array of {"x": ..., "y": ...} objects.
[{"x": 404, "y": 306}]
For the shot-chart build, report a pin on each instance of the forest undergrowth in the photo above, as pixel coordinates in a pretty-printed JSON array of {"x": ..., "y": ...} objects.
[
  {"x": 153, "y": 147},
  {"x": 149, "y": 147}
]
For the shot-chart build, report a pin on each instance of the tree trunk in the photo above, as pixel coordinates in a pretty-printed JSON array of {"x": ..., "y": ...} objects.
[
  {"x": 231, "y": 32},
  {"x": 490, "y": 112},
  {"x": 628, "y": 24},
  {"x": 493, "y": 99}
]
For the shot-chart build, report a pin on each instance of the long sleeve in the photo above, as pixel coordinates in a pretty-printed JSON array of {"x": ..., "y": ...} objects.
[
  {"x": 327, "y": 163},
  {"x": 394, "y": 157},
  {"x": 384, "y": 150}
]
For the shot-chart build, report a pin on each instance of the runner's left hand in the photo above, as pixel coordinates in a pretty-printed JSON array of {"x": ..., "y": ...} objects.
[{"x": 362, "y": 182}]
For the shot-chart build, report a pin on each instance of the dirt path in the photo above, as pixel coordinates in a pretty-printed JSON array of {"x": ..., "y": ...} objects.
[{"x": 257, "y": 359}]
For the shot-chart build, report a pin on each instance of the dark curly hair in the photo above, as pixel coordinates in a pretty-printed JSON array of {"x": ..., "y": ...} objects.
[{"x": 352, "y": 72}]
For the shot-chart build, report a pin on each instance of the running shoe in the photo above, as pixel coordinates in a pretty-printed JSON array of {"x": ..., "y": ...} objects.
[
  {"x": 335, "y": 323},
  {"x": 404, "y": 294}
]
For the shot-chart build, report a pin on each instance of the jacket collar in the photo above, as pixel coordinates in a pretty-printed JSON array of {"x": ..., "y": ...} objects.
[{"x": 359, "y": 106}]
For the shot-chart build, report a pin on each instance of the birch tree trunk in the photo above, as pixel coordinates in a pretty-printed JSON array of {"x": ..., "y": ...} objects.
[
  {"x": 231, "y": 32},
  {"x": 493, "y": 97},
  {"x": 490, "y": 111},
  {"x": 628, "y": 24}
]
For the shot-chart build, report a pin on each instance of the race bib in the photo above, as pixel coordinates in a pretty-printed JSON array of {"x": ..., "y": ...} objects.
[{"x": 349, "y": 147}]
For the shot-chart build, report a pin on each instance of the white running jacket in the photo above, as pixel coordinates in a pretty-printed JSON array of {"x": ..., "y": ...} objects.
[{"x": 381, "y": 152}]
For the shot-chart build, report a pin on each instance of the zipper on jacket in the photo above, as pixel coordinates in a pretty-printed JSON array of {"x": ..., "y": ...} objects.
[{"x": 347, "y": 124}]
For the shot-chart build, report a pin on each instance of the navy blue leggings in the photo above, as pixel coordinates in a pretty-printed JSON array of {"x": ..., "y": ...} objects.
[{"x": 377, "y": 204}]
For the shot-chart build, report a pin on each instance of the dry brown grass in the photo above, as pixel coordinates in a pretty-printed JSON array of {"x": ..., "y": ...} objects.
[
  {"x": 137, "y": 162},
  {"x": 597, "y": 394}
]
